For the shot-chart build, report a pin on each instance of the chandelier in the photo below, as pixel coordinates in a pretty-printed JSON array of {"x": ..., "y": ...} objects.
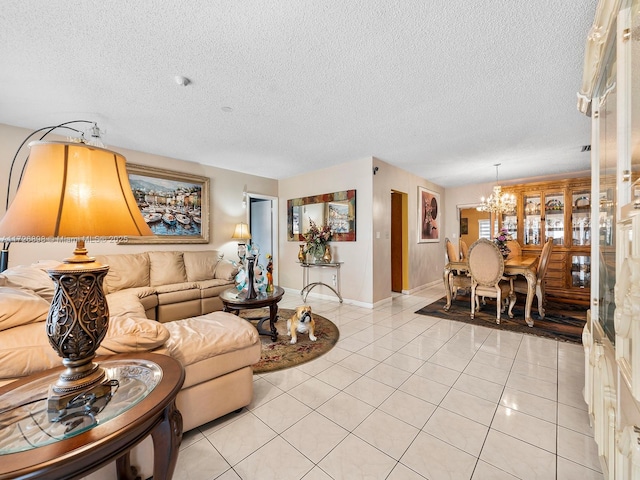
[{"x": 498, "y": 202}]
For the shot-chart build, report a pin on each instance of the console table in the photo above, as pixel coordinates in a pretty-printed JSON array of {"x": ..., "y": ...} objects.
[
  {"x": 307, "y": 287},
  {"x": 144, "y": 389}
]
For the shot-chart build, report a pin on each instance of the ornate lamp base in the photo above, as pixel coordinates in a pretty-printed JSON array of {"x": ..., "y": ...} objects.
[{"x": 77, "y": 322}]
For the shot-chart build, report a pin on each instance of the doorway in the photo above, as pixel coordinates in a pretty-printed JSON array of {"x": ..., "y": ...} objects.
[
  {"x": 473, "y": 224},
  {"x": 263, "y": 225},
  {"x": 399, "y": 242}
]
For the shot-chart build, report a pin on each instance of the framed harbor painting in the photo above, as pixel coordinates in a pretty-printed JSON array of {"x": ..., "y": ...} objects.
[
  {"x": 428, "y": 219},
  {"x": 175, "y": 205}
]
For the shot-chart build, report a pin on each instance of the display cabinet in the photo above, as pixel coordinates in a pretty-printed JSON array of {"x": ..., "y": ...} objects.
[
  {"x": 560, "y": 211},
  {"x": 611, "y": 338}
]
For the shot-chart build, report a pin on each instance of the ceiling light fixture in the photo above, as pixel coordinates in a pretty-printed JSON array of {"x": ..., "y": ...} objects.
[{"x": 498, "y": 202}]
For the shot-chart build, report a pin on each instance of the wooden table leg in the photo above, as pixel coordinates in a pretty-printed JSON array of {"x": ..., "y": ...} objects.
[
  {"x": 273, "y": 316},
  {"x": 531, "y": 291},
  {"x": 447, "y": 286},
  {"x": 124, "y": 469},
  {"x": 166, "y": 443}
]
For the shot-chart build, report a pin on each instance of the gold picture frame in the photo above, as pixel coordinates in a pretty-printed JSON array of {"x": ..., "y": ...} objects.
[
  {"x": 175, "y": 204},
  {"x": 428, "y": 216}
]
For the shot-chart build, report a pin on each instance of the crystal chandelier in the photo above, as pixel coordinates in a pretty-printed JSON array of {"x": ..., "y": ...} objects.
[{"x": 498, "y": 202}]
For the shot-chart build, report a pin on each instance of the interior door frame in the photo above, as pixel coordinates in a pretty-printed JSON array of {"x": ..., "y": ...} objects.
[{"x": 274, "y": 227}]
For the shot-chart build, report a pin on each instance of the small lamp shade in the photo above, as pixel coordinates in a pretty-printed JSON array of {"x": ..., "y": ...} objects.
[
  {"x": 73, "y": 190},
  {"x": 241, "y": 232}
]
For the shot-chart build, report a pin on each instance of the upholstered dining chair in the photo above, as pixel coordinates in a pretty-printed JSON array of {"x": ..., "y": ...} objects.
[
  {"x": 515, "y": 248},
  {"x": 464, "y": 250},
  {"x": 520, "y": 284},
  {"x": 486, "y": 267},
  {"x": 458, "y": 279}
]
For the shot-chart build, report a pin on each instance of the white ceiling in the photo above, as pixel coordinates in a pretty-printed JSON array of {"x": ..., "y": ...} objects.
[{"x": 440, "y": 88}]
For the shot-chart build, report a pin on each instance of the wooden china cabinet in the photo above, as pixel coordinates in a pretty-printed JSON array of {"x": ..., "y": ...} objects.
[{"x": 560, "y": 210}]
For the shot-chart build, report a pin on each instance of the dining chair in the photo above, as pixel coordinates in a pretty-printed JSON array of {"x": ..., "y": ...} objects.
[
  {"x": 459, "y": 278},
  {"x": 486, "y": 267},
  {"x": 515, "y": 249},
  {"x": 520, "y": 285},
  {"x": 464, "y": 250}
]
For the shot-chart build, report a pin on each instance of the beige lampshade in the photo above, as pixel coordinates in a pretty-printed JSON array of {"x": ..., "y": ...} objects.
[
  {"x": 241, "y": 232},
  {"x": 73, "y": 190}
]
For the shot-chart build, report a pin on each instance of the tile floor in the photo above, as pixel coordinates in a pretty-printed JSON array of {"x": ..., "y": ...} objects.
[{"x": 403, "y": 397}]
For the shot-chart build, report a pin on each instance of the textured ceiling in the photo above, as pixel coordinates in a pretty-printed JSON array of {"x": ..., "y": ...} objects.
[{"x": 441, "y": 88}]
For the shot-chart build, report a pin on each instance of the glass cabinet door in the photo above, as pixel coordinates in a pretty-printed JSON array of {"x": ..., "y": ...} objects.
[
  {"x": 531, "y": 219},
  {"x": 554, "y": 217},
  {"x": 581, "y": 218},
  {"x": 581, "y": 271},
  {"x": 510, "y": 222},
  {"x": 608, "y": 164}
]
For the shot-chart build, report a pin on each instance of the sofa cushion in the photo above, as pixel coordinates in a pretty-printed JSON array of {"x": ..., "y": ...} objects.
[
  {"x": 178, "y": 296},
  {"x": 127, "y": 270},
  {"x": 201, "y": 265},
  {"x": 213, "y": 288},
  {"x": 132, "y": 334},
  {"x": 226, "y": 270},
  {"x": 33, "y": 277},
  {"x": 125, "y": 303},
  {"x": 20, "y": 306},
  {"x": 195, "y": 339},
  {"x": 166, "y": 268},
  {"x": 25, "y": 349}
]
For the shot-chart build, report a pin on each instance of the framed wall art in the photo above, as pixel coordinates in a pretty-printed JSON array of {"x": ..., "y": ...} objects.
[
  {"x": 464, "y": 226},
  {"x": 428, "y": 219},
  {"x": 337, "y": 209},
  {"x": 175, "y": 205}
]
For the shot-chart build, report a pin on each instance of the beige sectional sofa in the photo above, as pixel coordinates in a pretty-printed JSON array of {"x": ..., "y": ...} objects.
[
  {"x": 163, "y": 302},
  {"x": 170, "y": 285}
]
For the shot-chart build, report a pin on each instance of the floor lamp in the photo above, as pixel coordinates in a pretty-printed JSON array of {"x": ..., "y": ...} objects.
[{"x": 80, "y": 192}]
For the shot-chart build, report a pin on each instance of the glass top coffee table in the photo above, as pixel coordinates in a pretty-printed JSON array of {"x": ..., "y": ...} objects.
[
  {"x": 92, "y": 432},
  {"x": 235, "y": 301}
]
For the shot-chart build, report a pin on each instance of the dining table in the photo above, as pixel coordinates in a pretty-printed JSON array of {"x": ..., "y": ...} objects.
[{"x": 525, "y": 265}]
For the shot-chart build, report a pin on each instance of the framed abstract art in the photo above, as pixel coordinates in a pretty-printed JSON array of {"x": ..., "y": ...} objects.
[{"x": 428, "y": 216}]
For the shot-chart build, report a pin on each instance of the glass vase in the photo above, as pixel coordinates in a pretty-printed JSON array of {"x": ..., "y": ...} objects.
[{"x": 317, "y": 255}]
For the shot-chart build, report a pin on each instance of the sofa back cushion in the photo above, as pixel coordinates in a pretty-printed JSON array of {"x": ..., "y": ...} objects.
[
  {"x": 127, "y": 270},
  {"x": 166, "y": 267},
  {"x": 226, "y": 270},
  {"x": 20, "y": 306},
  {"x": 201, "y": 265},
  {"x": 33, "y": 277}
]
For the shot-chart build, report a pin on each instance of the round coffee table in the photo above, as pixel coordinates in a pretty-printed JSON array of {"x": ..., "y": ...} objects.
[
  {"x": 235, "y": 301},
  {"x": 145, "y": 386}
]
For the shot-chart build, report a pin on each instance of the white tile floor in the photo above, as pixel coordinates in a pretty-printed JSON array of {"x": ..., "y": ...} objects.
[{"x": 405, "y": 396}]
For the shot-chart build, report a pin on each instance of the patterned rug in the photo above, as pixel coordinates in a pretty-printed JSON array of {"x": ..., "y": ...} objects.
[
  {"x": 562, "y": 321},
  {"x": 281, "y": 354}
]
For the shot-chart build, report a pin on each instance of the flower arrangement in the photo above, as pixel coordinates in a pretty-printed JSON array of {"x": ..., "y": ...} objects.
[
  {"x": 501, "y": 241},
  {"x": 317, "y": 238}
]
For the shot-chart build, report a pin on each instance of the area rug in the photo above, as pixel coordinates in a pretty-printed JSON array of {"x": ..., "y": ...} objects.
[
  {"x": 281, "y": 354},
  {"x": 562, "y": 321}
]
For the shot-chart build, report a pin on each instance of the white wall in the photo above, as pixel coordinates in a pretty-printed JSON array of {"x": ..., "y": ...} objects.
[
  {"x": 357, "y": 270},
  {"x": 426, "y": 260},
  {"x": 225, "y": 203},
  {"x": 366, "y": 273}
]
